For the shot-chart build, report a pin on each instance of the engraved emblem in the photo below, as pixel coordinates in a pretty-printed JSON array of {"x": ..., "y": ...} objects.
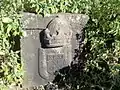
[
  {"x": 55, "y": 40},
  {"x": 50, "y": 62},
  {"x": 57, "y": 33}
]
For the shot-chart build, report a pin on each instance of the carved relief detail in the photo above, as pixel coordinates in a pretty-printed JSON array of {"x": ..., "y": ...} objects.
[{"x": 57, "y": 33}]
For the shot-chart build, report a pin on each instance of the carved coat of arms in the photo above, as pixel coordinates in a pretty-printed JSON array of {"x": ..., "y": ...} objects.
[{"x": 56, "y": 47}]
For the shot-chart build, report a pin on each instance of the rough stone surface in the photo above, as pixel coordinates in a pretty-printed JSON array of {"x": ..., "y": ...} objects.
[{"x": 49, "y": 44}]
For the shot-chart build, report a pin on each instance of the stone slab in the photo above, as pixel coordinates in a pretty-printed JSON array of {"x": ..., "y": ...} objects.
[{"x": 40, "y": 63}]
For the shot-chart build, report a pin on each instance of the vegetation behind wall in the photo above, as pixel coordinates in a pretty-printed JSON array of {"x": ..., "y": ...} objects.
[{"x": 102, "y": 40}]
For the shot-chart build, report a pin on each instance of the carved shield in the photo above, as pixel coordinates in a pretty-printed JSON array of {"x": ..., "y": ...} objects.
[{"x": 52, "y": 60}]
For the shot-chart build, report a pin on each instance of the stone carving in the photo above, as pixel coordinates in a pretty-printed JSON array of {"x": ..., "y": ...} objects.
[
  {"x": 57, "y": 39},
  {"x": 52, "y": 59},
  {"x": 49, "y": 44},
  {"x": 57, "y": 33}
]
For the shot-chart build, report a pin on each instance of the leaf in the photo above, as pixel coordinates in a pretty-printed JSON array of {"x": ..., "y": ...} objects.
[
  {"x": 17, "y": 52},
  {"x": 6, "y": 20},
  {"x": 15, "y": 33},
  {"x": 9, "y": 28},
  {"x": 2, "y": 53}
]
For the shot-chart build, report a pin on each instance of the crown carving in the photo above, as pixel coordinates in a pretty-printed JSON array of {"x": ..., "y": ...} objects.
[{"x": 57, "y": 33}]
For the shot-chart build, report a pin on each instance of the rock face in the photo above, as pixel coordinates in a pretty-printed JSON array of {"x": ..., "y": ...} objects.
[{"x": 49, "y": 44}]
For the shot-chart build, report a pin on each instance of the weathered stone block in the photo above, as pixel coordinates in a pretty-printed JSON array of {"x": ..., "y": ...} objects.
[{"x": 49, "y": 44}]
